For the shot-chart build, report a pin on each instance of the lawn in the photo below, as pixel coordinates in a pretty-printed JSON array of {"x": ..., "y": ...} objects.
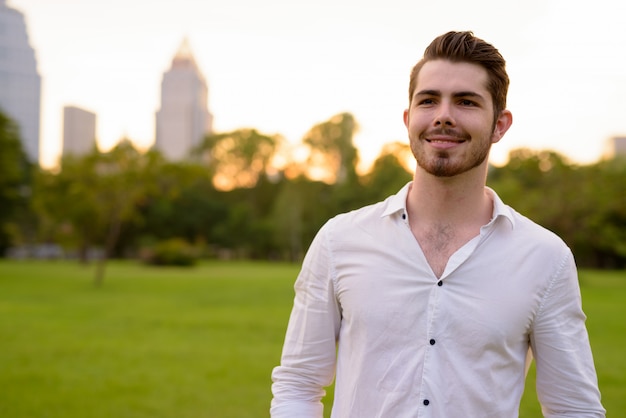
[{"x": 200, "y": 342}]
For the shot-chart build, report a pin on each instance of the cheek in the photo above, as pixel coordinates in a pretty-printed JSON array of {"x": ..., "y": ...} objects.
[{"x": 415, "y": 123}]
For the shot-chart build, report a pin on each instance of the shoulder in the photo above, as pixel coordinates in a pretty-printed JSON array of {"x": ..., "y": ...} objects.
[
  {"x": 522, "y": 230},
  {"x": 364, "y": 218},
  {"x": 371, "y": 216},
  {"x": 358, "y": 230},
  {"x": 530, "y": 244},
  {"x": 528, "y": 254},
  {"x": 529, "y": 230}
]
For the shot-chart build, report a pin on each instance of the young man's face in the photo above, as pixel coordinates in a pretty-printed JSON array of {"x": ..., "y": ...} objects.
[{"x": 450, "y": 118}]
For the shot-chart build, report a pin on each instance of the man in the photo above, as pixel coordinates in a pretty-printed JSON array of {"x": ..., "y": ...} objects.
[{"x": 426, "y": 304}]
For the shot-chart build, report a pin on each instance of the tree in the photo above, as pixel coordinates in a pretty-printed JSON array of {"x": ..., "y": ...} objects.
[
  {"x": 300, "y": 209},
  {"x": 89, "y": 200},
  {"x": 183, "y": 203},
  {"x": 333, "y": 157},
  {"x": 599, "y": 233},
  {"x": 15, "y": 172},
  {"x": 123, "y": 183},
  {"x": 584, "y": 205},
  {"x": 65, "y": 204},
  {"x": 389, "y": 173},
  {"x": 239, "y": 158}
]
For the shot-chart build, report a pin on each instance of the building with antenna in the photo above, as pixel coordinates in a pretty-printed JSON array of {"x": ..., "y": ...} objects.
[
  {"x": 20, "y": 83},
  {"x": 183, "y": 119}
]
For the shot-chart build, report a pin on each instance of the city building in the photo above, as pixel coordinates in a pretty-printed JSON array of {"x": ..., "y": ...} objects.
[
  {"x": 618, "y": 146},
  {"x": 79, "y": 131},
  {"x": 183, "y": 119},
  {"x": 614, "y": 147},
  {"x": 20, "y": 83}
]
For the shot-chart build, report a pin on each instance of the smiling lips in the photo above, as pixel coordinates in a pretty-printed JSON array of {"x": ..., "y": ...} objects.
[
  {"x": 444, "y": 141},
  {"x": 445, "y": 137}
]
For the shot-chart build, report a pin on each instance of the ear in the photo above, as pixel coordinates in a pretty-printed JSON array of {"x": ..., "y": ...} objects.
[
  {"x": 406, "y": 117},
  {"x": 504, "y": 122}
]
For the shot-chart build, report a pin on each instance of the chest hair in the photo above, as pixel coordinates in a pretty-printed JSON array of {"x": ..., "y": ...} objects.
[{"x": 439, "y": 241}]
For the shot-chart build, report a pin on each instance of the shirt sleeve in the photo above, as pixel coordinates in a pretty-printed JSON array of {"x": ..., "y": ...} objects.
[
  {"x": 567, "y": 384},
  {"x": 309, "y": 352}
]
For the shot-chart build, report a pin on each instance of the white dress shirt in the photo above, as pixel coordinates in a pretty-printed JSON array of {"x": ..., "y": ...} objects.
[{"x": 403, "y": 343}]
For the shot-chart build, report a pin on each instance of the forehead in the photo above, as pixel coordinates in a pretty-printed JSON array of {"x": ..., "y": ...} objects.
[{"x": 447, "y": 76}]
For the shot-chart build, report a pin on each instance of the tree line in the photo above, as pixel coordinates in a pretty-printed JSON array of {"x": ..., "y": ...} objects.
[{"x": 242, "y": 194}]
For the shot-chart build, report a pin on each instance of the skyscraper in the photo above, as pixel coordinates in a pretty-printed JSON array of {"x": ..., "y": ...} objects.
[
  {"x": 618, "y": 145},
  {"x": 184, "y": 118},
  {"x": 20, "y": 83},
  {"x": 79, "y": 131}
]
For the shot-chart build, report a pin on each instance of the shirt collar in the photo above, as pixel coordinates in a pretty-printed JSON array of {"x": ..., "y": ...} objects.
[
  {"x": 500, "y": 209},
  {"x": 397, "y": 203}
]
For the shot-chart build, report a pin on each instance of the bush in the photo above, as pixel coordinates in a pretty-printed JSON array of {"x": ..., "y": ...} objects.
[{"x": 172, "y": 252}]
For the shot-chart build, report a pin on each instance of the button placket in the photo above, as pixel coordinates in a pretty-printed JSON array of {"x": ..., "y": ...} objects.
[{"x": 431, "y": 329}]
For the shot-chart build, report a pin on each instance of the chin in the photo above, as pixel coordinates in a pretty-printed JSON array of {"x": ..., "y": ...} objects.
[{"x": 444, "y": 166}]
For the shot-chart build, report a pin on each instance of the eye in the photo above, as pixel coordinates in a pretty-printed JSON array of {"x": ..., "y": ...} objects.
[
  {"x": 426, "y": 102},
  {"x": 467, "y": 102}
]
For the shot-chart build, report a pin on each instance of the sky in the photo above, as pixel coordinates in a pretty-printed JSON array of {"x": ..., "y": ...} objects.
[{"x": 282, "y": 66}]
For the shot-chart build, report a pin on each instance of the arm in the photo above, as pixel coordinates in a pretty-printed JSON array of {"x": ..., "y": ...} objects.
[
  {"x": 567, "y": 385},
  {"x": 309, "y": 353}
]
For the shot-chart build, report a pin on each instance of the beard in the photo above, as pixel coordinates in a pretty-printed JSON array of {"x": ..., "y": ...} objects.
[{"x": 449, "y": 164}]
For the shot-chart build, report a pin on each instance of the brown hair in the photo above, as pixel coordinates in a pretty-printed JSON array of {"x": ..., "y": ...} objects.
[{"x": 465, "y": 47}]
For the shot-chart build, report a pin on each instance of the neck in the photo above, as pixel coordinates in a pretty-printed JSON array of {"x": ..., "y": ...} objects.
[{"x": 460, "y": 200}]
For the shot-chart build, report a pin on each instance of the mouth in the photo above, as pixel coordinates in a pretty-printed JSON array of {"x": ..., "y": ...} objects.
[
  {"x": 444, "y": 142},
  {"x": 445, "y": 137}
]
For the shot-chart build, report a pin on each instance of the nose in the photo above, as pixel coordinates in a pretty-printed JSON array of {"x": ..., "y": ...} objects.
[{"x": 444, "y": 116}]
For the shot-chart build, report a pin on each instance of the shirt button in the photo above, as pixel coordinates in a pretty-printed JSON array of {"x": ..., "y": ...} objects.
[
  {"x": 432, "y": 341},
  {"x": 440, "y": 283},
  {"x": 404, "y": 216},
  {"x": 426, "y": 402}
]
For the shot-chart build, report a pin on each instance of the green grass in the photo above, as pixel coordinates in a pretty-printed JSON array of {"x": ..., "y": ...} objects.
[
  {"x": 197, "y": 342},
  {"x": 604, "y": 294},
  {"x": 149, "y": 343}
]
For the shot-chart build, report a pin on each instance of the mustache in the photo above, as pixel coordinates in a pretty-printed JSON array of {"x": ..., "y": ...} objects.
[{"x": 445, "y": 131}]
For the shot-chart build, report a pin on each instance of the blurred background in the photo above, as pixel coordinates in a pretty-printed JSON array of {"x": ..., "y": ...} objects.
[
  {"x": 164, "y": 165},
  {"x": 258, "y": 121},
  {"x": 281, "y": 66}
]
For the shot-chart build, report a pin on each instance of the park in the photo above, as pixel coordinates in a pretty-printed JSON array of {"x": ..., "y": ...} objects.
[
  {"x": 183, "y": 309},
  {"x": 193, "y": 342}
]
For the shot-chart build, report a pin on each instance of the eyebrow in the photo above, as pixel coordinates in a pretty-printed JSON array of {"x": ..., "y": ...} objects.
[{"x": 437, "y": 93}]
